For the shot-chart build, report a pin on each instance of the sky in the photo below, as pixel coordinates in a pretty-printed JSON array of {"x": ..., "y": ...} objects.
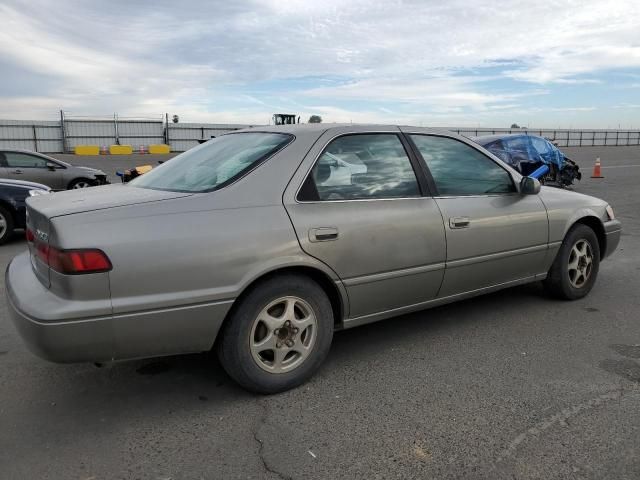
[{"x": 548, "y": 63}]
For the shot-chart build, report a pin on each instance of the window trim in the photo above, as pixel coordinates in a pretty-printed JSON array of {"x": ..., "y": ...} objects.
[
  {"x": 432, "y": 183},
  {"x": 418, "y": 171}
]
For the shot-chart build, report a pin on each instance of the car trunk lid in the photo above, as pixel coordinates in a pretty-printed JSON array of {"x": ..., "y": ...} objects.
[
  {"x": 40, "y": 212},
  {"x": 97, "y": 198}
]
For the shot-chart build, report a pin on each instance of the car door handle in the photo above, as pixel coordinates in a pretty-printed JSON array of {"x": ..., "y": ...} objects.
[
  {"x": 17, "y": 171},
  {"x": 323, "y": 234},
  {"x": 459, "y": 222}
]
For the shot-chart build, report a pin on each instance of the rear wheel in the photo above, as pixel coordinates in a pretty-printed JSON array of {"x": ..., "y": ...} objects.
[
  {"x": 278, "y": 336},
  {"x": 81, "y": 183},
  {"x": 576, "y": 266},
  {"x": 6, "y": 225}
]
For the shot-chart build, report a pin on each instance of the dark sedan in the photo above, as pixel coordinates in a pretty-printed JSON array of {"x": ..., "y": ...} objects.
[{"x": 13, "y": 194}]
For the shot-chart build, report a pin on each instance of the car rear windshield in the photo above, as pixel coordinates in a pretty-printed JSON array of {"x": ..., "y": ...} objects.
[{"x": 214, "y": 164}]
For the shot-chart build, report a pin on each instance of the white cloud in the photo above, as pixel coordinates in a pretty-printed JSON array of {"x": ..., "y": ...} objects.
[{"x": 419, "y": 60}]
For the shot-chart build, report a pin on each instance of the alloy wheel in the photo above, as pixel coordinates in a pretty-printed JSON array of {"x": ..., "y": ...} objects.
[
  {"x": 580, "y": 263},
  {"x": 283, "y": 334}
]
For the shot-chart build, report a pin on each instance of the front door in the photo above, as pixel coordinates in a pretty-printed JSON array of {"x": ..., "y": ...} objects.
[
  {"x": 32, "y": 168},
  {"x": 361, "y": 211},
  {"x": 495, "y": 235}
]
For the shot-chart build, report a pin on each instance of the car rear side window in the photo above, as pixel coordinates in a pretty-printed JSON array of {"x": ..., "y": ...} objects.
[
  {"x": 24, "y": 160},
  {"x": 458, "y": 169},
  {"x": 361, "y": 167},
  {"x": 214, "y": 164}
]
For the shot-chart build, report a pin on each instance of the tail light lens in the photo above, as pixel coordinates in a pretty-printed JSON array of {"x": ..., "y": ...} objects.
[
  {"x": 78, "y": 261},
  {"x": 70, "y": 262}
]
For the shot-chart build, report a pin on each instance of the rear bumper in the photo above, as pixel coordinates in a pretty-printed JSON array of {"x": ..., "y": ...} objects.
[
  {"x": 612, "y": 231},
  {"x": 39, "y": 316}
]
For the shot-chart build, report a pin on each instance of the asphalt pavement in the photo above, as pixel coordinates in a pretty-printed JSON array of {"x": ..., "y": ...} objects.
[{"x": 509, "y": 385}]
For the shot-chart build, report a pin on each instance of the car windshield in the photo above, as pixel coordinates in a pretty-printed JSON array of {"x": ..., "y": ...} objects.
[{"x": 214, "y": 164}]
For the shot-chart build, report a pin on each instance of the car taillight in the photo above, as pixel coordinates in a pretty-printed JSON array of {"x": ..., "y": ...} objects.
[
  {"x": 78, "y": 261},
  {"x": 70, "y": 262}
]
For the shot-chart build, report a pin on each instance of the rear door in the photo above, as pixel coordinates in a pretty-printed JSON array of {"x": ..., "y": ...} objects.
[
  {"x": 32, "y": 168},
  {"x": 357, "y": 205},
  {"x": 495, "y": 235}
]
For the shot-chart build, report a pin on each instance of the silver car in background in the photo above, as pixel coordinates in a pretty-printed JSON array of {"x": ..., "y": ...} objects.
[
  {"x": 261, "y": 243},
  {"x": 36, "y": 167}
]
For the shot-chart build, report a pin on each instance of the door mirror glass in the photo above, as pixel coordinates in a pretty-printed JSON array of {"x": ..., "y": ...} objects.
[{"x": 529, "y": 186}]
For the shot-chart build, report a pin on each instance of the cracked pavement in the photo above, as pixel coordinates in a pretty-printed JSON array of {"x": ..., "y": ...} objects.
[{"x": 509, "y": 385}]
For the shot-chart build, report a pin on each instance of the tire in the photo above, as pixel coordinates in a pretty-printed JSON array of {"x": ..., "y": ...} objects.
[
  {"x": 575, "y": 269},
  {"x": 265, "y": 354},
  {"x": 80, "y": 183},
  {"x": 6, "y": 225}
]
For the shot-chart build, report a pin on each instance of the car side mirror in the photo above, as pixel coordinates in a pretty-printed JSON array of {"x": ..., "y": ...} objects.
[
  {"x": 51, "y": 166},
  {"x": 529, "y": 186}
]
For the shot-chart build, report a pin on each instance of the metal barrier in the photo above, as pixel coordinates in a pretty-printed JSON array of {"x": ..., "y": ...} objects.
[
  {"x": 565, "y": 138},
  {"x": 63, "y": 135}
]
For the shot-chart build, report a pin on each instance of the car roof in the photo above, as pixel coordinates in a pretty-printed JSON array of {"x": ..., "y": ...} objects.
[
  {"x": 23, "y": 184},
  {"x": 21, "y": 150},
  {"x": 322, "y": 127}
]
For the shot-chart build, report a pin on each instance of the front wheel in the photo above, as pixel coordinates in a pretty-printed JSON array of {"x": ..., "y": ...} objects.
[
  {"x": 576, "y": 266},
  {"x": 278, "y": 335},
  {"x": 81, "y": 183}
]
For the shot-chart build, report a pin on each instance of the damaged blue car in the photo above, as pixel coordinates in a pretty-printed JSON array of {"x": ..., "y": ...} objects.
[{"x": 527, "y": 153}]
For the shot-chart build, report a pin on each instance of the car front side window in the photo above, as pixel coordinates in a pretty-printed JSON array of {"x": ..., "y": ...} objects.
[
  {"x": 458, "y": 169},
  {"x": 24, "y": 160},
  {"x": 361, "y": 167}
]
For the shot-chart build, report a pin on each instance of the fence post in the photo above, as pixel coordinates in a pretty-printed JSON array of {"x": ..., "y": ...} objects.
[
  {"x": 167, "y": 140},
  {"x": 35, "y": 138},
  {"x": 115, "y": 127},
  {"x": 63, "y": 132}
]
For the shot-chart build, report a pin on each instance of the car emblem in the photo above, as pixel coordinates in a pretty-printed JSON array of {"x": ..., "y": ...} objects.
[{"x": 43, "y": 236}]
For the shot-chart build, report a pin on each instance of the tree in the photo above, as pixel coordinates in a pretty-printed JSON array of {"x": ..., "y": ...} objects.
[
  {"x": 315, "y": 119},
  {"x": 515, "y": 125}
]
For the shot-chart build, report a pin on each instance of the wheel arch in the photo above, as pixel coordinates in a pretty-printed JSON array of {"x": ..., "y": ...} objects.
[
  {"x": 10, "y": 208},
  {"x": 334, "y": 290},
  {"x": 595, "y": 224}
]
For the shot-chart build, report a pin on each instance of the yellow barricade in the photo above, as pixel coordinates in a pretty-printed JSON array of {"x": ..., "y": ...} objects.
[
  {"x": 159, "y": 149},
  {"x": 87, "y": 150},
  {"x": 120, "y": 150}
]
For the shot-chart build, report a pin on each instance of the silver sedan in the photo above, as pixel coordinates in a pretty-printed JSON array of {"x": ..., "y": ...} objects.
[
  {"x": 261, "y": 243},
  {"x": 36, "y": 167}
]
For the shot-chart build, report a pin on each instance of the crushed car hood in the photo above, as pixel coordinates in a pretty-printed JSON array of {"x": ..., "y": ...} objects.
[{"x": 97, "y": 198}]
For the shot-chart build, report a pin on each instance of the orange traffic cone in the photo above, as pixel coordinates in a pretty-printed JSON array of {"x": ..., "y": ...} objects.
[{"x": 596, "y": 169}]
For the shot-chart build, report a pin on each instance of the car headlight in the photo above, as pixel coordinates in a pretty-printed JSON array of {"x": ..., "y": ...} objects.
[
  {"x": 610, "y": 212},
  {"x": 34, "y": 193}
]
